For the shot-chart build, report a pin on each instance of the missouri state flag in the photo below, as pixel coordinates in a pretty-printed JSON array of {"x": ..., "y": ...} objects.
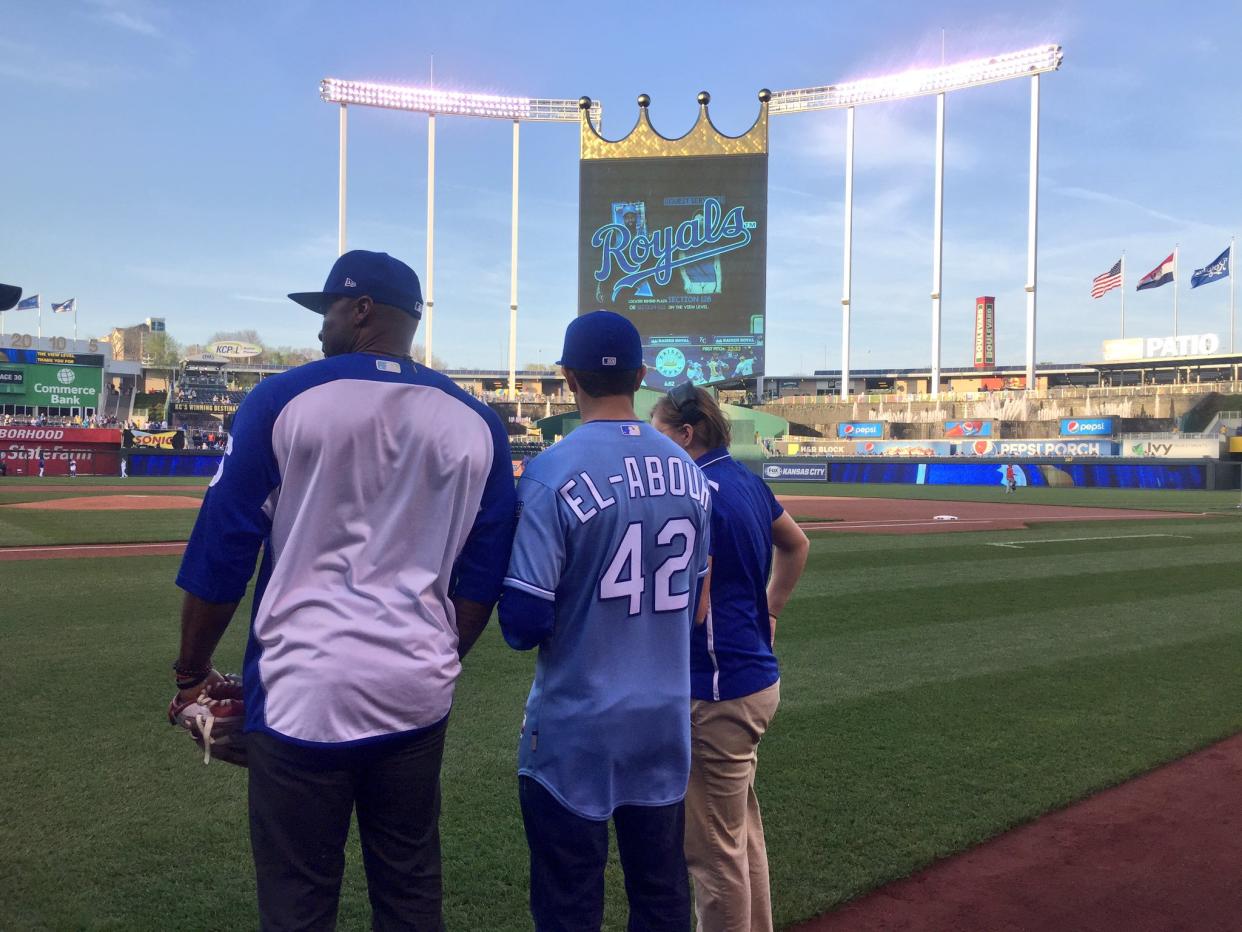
[{"x": 1160, "y": 275}]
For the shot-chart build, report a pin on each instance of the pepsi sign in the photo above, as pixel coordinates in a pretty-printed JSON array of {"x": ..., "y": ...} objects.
[
  {"x": 858, "y": 430},
  {"x": 1086, "y": 426},
  {"x": 968, "y": 428}
]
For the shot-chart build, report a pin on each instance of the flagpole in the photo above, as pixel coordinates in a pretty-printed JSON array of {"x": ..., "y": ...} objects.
[
  {"x": 75, "y": 322},
  {"x": 1233, "y": 295},
  {"x": 1176, "y": 249},
  {"x": 1123, "y": 294}
]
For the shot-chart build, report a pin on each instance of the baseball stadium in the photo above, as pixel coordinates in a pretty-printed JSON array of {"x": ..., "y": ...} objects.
[{"x": 1009, "y": 670}]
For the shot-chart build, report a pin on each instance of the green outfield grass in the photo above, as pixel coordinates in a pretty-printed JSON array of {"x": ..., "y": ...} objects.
[{"x": 937, "y": 690}]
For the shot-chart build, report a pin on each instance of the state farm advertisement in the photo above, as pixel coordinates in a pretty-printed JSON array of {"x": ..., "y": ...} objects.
[{"x": 96, "y": 452}]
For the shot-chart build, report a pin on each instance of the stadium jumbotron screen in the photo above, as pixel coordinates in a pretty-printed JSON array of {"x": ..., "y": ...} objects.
[{"x": 679, "y": 246}]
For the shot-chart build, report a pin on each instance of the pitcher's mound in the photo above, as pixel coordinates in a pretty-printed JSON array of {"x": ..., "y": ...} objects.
[{"x": 113, "y": 503}]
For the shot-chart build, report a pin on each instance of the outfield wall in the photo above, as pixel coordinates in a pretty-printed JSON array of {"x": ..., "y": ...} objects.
[
  {"x": 1093, "y": 472},
  {"x": 174, "y": 463}
]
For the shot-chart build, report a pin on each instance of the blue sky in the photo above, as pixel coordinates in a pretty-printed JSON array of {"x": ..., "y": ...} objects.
[{"x": 173, "y": 159}]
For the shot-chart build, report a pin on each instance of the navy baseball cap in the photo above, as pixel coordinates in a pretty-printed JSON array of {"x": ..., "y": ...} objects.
[
  {"x": 376, "y": 275},
  {"x": 601, "y": 341}
]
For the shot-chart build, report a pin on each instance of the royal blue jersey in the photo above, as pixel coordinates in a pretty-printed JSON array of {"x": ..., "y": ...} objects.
[
  {"x": 378, "y": 490},
  {"x": 731, "y": 653},
  {"x": 612, "y": 540}
]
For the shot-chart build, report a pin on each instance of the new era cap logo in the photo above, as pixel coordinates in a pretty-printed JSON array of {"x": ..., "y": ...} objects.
[
  {"x": 350, "y": 283},
  {"x": 609, "y": 361}
]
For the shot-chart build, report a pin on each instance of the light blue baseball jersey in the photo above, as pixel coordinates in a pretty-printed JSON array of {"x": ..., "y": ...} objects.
[{"x": 612, "y": 536}]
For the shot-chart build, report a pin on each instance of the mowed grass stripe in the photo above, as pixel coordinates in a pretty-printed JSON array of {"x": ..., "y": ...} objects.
[
  {"x": 21, "y": 528},
  {"x": 1189, "y": 500},
  {"x": 846, "y": 665},
  {"x": 968, "y": 560}
]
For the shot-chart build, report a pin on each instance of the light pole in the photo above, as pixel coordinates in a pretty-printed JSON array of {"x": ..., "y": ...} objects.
[
  {"x": 1032, "y": 236},
  {"x": 429, "y": 273},
  {"x": 451, "y": 103},
  {"x": 341, "y": 181},
  {"x": 848, "y": 257},
  {"x": 937, "y": 246}
]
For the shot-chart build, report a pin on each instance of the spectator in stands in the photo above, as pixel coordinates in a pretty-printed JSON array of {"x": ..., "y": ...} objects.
[{"x": 734, "y": 677}]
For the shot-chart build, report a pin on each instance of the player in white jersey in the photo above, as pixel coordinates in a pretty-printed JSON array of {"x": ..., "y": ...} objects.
[
  {"x": 383, "y": 498},
  {"x": 605, "y": 579}
]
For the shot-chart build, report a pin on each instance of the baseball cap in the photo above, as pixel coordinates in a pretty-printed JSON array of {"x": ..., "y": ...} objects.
[
  {"x": 377, "y": 275},
  {"x": 601, "y": 341},
  {"x": 9, "y": 296}
]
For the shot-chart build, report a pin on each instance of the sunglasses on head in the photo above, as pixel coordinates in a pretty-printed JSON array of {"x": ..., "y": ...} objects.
[{"x": 686, "y": 400}]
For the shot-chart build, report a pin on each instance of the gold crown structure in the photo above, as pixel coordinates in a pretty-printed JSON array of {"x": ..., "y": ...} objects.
[{"x": 643, "y": 142}]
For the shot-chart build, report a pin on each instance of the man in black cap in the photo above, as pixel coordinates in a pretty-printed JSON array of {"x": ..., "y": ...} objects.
[{"x": 382, "y": 496}]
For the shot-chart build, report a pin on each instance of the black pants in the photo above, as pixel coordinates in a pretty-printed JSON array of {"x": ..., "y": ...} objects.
[
  {"x": 568, "y": 854},
  {"x": 301, "y": 800}
]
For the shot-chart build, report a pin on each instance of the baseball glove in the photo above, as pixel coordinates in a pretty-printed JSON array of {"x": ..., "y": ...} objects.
[{"x": 214, "y": 720}]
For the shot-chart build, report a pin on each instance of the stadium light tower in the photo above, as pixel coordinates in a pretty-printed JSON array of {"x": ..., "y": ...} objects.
[
  {"x": 923, "y": 82},
  {"x": 434, "y": 102}
]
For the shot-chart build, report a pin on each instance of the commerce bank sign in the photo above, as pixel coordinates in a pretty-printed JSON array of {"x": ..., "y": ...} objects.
[{"x": 1137, "y": 348}]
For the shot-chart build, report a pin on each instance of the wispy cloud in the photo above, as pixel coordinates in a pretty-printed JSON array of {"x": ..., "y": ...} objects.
[
  {"x": 899, "y": 135},
  {"x": 127, "y": 15},
  {"x": 259, "y": 299},
  {"x": 32, "y": 65},
  {"x": 1103, "y": 197}
]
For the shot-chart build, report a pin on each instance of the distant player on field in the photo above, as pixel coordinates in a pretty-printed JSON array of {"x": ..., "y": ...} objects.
[{"x": 610, "y": 552}]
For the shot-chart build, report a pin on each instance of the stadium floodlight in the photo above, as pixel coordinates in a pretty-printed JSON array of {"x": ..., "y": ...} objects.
[
  {"x": 919, "y": 82},
  {"x": 435, "y": 102},
  {"x": 924, "y": 82},
  {"x": 458, "y": 103}
]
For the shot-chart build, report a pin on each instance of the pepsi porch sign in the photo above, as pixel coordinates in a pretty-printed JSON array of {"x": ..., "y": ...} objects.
[
  {"x": 858, "y": 430},
  {"x": 1086, "y": 426}
]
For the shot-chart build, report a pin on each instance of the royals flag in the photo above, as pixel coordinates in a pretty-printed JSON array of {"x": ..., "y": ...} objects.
[
  {"x": 1160, "y": 275},
  {"x": 1102, "y": 284},
  {"x": 65, "y": 307},
  {"x": 28, "y": 304},
  {"x": 1217, "y": 269}
]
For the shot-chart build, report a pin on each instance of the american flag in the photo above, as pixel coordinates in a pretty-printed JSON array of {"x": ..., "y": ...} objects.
[{"x": 1102, "y": 284}]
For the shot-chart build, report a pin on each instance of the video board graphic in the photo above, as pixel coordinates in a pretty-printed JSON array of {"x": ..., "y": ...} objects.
[{"x": 678, "y": 244}]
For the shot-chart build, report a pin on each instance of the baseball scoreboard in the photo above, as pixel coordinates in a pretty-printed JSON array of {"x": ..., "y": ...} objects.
[{"x": 673, "y": 235}]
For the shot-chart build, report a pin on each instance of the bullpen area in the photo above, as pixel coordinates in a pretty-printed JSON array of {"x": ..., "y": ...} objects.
[{"x": 956, "y": 663}]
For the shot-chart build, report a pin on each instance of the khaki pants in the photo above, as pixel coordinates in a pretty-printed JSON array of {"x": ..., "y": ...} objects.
[{"x": 725, "y": 851}]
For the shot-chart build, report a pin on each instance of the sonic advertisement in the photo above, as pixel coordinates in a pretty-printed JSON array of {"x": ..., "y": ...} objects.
[{"x": 679, "y": 246}]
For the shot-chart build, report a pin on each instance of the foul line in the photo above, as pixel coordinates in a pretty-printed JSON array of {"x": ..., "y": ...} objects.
[
  {"x": 1015, "y": 545},
  {"x": 62, "y": 547}
]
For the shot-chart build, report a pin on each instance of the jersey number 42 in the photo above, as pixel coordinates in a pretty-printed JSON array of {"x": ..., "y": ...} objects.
[{"x": 625, "y": 577}]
